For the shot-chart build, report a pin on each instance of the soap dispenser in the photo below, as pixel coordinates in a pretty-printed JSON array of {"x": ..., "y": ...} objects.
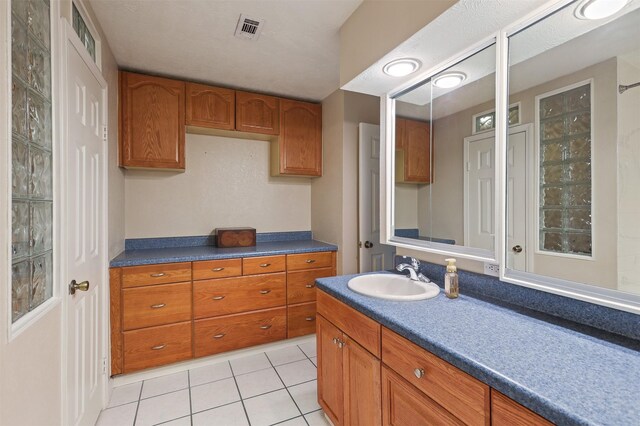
[{"x": 451, "y": 279}]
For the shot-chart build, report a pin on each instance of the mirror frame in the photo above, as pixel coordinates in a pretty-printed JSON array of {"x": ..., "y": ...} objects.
[{"x": 615, "y": 299}]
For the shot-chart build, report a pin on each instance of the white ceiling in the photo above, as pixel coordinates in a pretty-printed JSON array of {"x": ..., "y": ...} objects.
[{"x": 296, "y": 55}]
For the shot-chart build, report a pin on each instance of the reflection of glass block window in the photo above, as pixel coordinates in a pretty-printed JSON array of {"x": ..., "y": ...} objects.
[
  {"x": 83, "y": 32},
  {"x": 565, "y": 171},
  {"x": 487, "y": 120},
  {"x": 31, "y": 157}
]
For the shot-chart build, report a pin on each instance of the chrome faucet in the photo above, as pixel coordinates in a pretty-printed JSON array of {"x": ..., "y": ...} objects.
[{"x": 414, "y": 270}]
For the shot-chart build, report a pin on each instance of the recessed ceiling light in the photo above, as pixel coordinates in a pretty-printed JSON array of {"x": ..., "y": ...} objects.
[
  {"x": 402, "y": 67},
  {"x": 598, "y": 9},
  {"x": 449, "y": 80}
]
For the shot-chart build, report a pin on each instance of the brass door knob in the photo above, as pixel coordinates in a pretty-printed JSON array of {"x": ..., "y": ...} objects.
[
  {"x": 517, "y": 249},
  {"x": 83, "y": 286},
  {"x": 368, "y": 244}
]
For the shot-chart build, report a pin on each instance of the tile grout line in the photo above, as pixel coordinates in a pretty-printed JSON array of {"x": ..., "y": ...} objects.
[
  {"x": 135, "y": 417},
  {"x": 190, "y": 400},
  {"x": 287, "y": 389},
  {"x": 239, "y": 394}
]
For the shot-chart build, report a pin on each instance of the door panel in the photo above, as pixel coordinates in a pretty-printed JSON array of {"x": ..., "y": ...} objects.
[
  {"x": 362, "y": 386},
  {"x": 330, "y": 379}
]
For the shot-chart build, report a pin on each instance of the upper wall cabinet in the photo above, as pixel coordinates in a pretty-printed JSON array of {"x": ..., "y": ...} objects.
[
  {"x": 257, "y": 113},
  {"x": 413, "y": 153},
  {"x": 299, "y": 148},
  {"x": 211, "y": 107},
  {"x": 151, "y": 122}
]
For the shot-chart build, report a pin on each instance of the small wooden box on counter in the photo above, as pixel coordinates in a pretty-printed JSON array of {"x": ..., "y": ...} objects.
[{"x": 235, "y": 237}]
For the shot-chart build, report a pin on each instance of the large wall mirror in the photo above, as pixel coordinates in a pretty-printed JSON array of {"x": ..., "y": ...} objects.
[
  {"x": 444, "y": 170},
  {"x": 573, "y": 166}
]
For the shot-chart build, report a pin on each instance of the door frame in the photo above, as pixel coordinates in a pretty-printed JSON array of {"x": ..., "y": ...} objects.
[{"x": 67, "y": 37}]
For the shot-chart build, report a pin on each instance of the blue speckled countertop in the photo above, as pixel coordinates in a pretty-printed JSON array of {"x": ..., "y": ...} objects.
[
  {"x": 568, "y": 377},
  {"x": 134, "y": 257}
]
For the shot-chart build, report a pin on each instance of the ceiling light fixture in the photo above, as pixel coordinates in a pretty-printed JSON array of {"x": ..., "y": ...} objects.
[
  {"x": 449, "y": 80},
  {"x": 402, "y": 67},
  {"x": 598, "y": 9}
]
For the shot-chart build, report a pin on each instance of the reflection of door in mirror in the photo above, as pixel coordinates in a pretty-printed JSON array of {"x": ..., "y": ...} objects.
[{"x": 565, "y": 73}]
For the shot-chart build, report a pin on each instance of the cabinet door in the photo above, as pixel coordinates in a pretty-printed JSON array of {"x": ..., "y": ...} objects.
[
  {"x": 417, "y": 152},
  {"x": 300, "y": 144},
  {"x": 257, "y": 113},
  {"x": 152, "y": 122},
  {"x": 209, "y": 106},
  {"x": 507, "y": 412},
  {"x": 330, "y": 377},
  {"x": 361, "y": 386},
  {"x": 401, "y": 124}
]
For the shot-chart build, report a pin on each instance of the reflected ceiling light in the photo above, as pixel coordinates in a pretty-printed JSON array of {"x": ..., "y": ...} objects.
[
  {"x": 598, "y": 9},
  {"x": 449, "y": 80},
  {"x": 402, "y": 67}
]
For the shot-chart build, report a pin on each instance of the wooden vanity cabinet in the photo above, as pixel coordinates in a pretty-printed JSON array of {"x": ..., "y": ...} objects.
[
  {"x": 413, "y": 151},
  {"x": 211, "y": 107},
  {"x": 507, "y": 412},
  {"x": 152, "y": 122},
  {"x": 257, "y": 113}
]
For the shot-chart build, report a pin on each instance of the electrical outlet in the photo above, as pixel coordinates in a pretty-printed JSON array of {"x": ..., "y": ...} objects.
[{"x": 492, "y": 269}]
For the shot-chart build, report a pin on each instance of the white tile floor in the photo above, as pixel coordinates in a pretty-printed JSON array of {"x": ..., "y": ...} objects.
[{"x": 275, "y": 387}]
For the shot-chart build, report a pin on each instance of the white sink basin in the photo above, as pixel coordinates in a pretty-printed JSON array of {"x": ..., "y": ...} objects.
[{"x": 393, "y": 287}]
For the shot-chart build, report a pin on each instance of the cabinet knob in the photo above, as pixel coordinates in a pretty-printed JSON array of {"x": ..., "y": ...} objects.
[
  {"x": 219, "y": 336},
  {"x": 419, "y": 373},
  {"x": 159, "y": 347},
  {"x": 217, "y": 269},
  {"x": 265, "y": 327},
  {"x": 341, "y": 343},
  {"x": 335, "y": 341},
  {"x": 158, "y": 306},
  {"x": 158, "y": 275},
  {"x": 218, "y": 297}
]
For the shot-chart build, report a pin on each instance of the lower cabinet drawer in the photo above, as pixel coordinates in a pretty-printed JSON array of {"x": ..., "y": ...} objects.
[
  {"x": 156, "y": 305},
  {"x": 403, "y": 404},
  {"x": 151, "y": 347},
  {"x": 296, "y": 262},
  {"x": 301, "y": 319},
  {"x": 462, "y": 395},
  {"x": 263, "y": 265},
  {"x": 507, "y": 412},
  {"x": 301, "y": 285},
  {"x": 221, "y": 334}
]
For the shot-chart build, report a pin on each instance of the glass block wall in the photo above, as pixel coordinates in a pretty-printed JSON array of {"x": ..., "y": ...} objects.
[
  {"x": 32, "y": 180},
  {"x": 565, "y": 171},
  {"x": 80, "y": 27}
]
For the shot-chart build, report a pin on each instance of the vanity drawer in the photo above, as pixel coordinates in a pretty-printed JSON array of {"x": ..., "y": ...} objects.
[
  {"x": 296, "y": 262},
  {"x": 358, "y": 326},
  {"x": 456, "y": 391},
  {"x": 301, "y": 319},
  {"x": 237, "y": 331},
  {"x": 507, "y": 412},
  {"x": 137, "y": 276},
  {"x": 301, "y": 285},
  {"x": 263, "y": 265},
  {"x": 223, "y": 268},
  {"x": 233, "y": 295},
  {"x": 156, "y": 305},
  {"x": 156, "y": 346}
]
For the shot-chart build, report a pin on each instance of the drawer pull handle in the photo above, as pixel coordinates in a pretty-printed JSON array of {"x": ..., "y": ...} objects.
[
  {"x": 264, "y": 265},
  {"x": 310, "y": 285},
  {"x": 310, "y": 260},
  {"x": 219, "y": 336},
  {"x": 218, "y": 297},
  {"x": 419, "y": 373},
  {"x": 310, "y": 318},
  {"x": 158, "y": 306},
  {"x": 265, "y": 291},
  {"x": 158, "y": 275},
  {"x": 265, "y": 327},
  {"x": 217, "y": 269},
  {"x": 159, "y": 347}
]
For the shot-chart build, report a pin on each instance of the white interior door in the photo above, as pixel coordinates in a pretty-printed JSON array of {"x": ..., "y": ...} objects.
[
  {"x": 373, "y": 255},
  {"x": 85, "y": 232},
  {"x": 518, "y": 197}
]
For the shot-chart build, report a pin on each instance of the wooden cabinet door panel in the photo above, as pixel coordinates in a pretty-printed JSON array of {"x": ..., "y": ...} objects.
[
  {"x": 362, "y": 385},
  {"x": 400, "y": 130},
  {"x": 417, "y": 153},
  {"x": 330, "y": 371},
  {"x": 156, "y": 305},
  {"x": 152, "y": 121},
  {"x": 257, "y": 113},
  {"x": 507, "y": 412},
  {"x": 209, "y": 106},
  {"x": 300, "y": 144}
]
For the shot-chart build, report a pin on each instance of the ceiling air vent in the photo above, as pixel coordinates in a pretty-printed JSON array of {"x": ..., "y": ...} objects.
[{"x": 249, "y": 28}]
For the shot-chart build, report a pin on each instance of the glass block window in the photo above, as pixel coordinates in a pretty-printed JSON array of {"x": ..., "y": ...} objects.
[
  {"x": 83, "y": 32},
  {"x": 565, "y": 171},
  {"x": 31, "y": 157},
  {"x": 487, "y": 120}
]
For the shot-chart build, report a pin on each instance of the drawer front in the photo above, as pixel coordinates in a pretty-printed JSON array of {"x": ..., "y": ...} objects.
[
  {"x": 301, "y": 285},
  {"x": 358, "y": 326},
  {"x": 263, "y": 265},
  {"x": 137, "y": 276},
  {"x": 507, "y": 412},
  {"x": 403, "y": 404},
  {"x": 237, "y": 331},
  {"x": 296, "y": 262},
  {"x": 156, "y": 346},
  {"x": 234, "y": 295},
  {"x": 156, "y": 305},
  {"x": 217, "y": 269},
  {"x": 465, "y": 397},
  {"x": 301, "y": 319}
]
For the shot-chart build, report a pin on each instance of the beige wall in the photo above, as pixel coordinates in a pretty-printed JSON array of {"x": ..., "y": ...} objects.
[
  {"x": 378, "y": 26},
  {"x": 226, "y": 184}
]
